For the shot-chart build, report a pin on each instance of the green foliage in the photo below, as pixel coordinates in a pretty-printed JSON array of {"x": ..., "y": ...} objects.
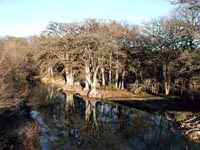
[
  {"x": 56, "y": 77},
  {"x": 110, "y": 86},
  {"x": 180, "y": 116}
]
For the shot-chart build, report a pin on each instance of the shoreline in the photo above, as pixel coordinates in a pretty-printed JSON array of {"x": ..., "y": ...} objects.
[{"x": 110, "y": 95}]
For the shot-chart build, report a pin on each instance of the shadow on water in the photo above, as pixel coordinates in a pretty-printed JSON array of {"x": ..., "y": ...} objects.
[
  {"x": 171, "y": 104},
  {"x": 70, "y": 122}
]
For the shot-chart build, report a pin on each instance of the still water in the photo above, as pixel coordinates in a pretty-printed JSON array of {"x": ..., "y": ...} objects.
[{"x": 68, "y": 122}]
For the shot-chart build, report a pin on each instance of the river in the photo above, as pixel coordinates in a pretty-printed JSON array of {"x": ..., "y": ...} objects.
[{"x": 73, "y": 123}]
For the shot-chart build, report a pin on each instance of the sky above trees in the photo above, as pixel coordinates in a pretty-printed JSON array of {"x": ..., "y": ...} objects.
[{"x": 30, "y": 17}]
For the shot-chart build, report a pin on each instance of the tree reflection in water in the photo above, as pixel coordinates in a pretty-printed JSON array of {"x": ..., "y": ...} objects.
[
  {"x": 90, "y": 111},
  {"x": 88, "y": 124},
  {"x": 69, "y": 104}
]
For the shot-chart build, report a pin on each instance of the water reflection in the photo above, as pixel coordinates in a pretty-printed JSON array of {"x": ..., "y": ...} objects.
[
  {"x": 90, "y": 112},
  {"x": 69, "y": 100},
  {"x": 88, "y": 124}
]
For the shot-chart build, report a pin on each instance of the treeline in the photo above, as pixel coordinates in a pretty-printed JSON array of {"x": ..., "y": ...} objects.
[{"x": 161, "y": 56}]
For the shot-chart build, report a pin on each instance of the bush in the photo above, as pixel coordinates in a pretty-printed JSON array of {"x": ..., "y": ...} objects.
[{"x": 110, "y": 86}]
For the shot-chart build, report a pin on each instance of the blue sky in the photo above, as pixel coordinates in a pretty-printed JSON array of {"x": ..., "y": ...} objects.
[{"x": 29, "y": 17}]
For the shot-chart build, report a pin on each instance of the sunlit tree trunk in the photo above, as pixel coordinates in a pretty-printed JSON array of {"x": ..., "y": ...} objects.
[
  {"x": 70, "y": 78},
  {"x": 50, "y": 70},
  {"x": 87, "y": 77},
  {"x": 167, "y": 88},
  {"x": 166, "y": 79},
  {"x": 110, "y": 69},
  {"x": 93, "y": 91},
  {"x": 50, "y": 92},
  {"x": 116, "y": 76},
  {"x": 103, "y": 76},
  {"x": 122, "y": 82}
]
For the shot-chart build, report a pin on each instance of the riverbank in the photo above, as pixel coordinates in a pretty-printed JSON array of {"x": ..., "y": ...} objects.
[
  {"x": 142, "y": 101},
  {"x": 110, "y": 95}
]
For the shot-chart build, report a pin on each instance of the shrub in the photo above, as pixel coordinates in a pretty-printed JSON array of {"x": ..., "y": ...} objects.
[{"x": 110, "y": 86}]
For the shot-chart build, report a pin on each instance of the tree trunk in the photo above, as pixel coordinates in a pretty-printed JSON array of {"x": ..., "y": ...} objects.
[
  {"x": 88, "y": 78},
  {"x": 50, "y": 92},
  {"x": 110, "y": 69},
  {"x": 94, "y": 83},
  {"x": 122, "y": 82},
  {"x": 91, "y": 84},
  {"x": 103, "y": 76},
  {"x": 116, "y": 77},
  {"x": 70, "y": 78},
  {"x": 117, "y": 73},
  {"x": 167, "y": 88},
  {"x": 166, "y": 79},
  {"x": 51, "y": 72}
]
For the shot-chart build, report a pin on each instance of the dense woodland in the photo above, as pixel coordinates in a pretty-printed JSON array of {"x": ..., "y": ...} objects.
[{"x": 159, "y": 57}]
